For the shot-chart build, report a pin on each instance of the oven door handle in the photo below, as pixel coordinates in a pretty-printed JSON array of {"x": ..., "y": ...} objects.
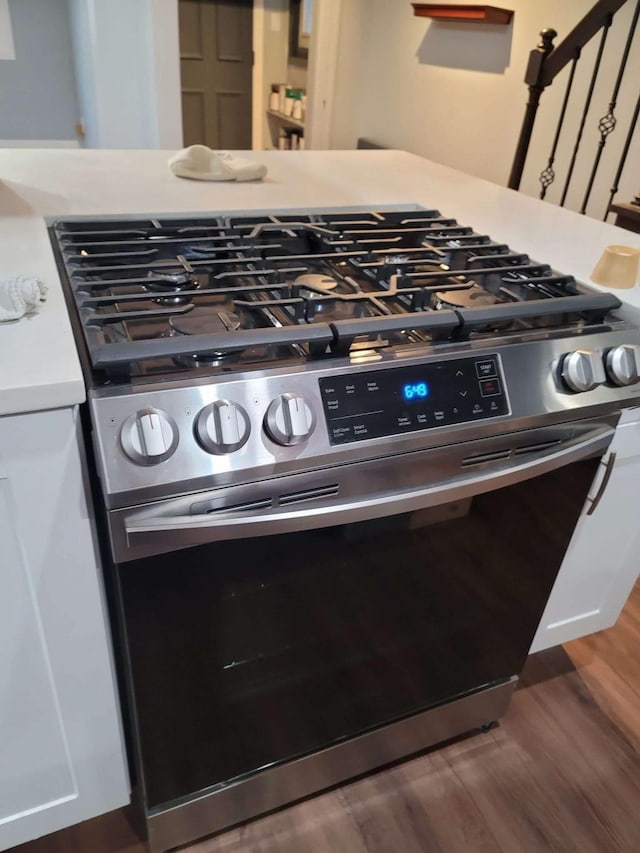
[{"x": 162, "y": 527}]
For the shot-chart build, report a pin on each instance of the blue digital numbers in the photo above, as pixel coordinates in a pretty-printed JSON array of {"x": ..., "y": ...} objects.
[{"x": 415, "y": 391}]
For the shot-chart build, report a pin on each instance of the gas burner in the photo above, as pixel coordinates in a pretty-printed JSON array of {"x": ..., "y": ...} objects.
[
  {"x": 473, "y": 297},
  {"x": 259, "y": 290},
  {"x": 203, "y": 322},
  {"x": 315, "y": 285},
  {"x": 170, "y": 284}
]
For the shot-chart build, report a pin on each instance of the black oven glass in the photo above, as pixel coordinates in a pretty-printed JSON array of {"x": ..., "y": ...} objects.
[{"x": 248, "y": 653}]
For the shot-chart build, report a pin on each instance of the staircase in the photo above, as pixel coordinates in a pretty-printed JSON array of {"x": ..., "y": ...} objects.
[{"x": 600, "y": 97}]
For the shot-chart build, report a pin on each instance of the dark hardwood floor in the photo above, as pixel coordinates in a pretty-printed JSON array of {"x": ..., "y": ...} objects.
[{"x": 560, "y": 773}]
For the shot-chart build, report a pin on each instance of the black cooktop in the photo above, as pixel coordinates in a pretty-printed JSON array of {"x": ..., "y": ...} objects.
[{"x": 159, "y": 297}]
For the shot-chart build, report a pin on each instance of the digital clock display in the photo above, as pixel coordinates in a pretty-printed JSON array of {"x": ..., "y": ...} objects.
[
  {"x": 415, "y": 391},
  {"x": 409, "y": 398}
]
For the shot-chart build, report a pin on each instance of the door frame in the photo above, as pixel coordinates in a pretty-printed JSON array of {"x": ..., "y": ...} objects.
[
  {"x": 258, "y": 106},
  {"x": 165, "y": 71}
]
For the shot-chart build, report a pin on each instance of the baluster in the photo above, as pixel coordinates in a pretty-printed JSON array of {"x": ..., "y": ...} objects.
[
  {"x": 534, "y": 79},
  {"x": 547, "y": 176},
  {"x": 587, "y": 104},
  {"x": 607, "y": 124},
  {"x": 623, "y": 156}
]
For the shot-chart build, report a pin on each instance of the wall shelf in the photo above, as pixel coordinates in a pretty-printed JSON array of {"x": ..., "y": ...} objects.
[
  {"x": 454, "y": 13},
  {"x": 288, "y": 120}
]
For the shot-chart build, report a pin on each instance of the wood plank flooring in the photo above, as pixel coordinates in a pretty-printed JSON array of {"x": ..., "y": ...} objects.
[{"x": 560, "y": 773}]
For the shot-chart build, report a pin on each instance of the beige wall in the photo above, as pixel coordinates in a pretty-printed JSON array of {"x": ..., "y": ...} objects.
[{"x": 454, "y": 92}]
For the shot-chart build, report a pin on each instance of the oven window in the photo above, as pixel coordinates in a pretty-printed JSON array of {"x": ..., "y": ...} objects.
[{"x": 248, "y": 653}]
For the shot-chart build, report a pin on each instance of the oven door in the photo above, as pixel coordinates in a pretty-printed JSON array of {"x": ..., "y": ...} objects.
[{"x": 312, "y": 609}]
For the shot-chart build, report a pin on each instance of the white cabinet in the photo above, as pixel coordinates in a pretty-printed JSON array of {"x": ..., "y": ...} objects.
[
  {"x": 61, "y": 749},
  {"x": 603, "y": 559}
]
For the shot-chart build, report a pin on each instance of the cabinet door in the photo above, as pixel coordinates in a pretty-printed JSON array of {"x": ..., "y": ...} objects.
[
  {"x": 35, "y": 771},
  {"x": 601, "y": 564},
  {"x": 61, "y": 749}
]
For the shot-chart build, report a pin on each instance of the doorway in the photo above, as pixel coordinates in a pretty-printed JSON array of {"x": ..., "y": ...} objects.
[{"x": 216, "y": 58}]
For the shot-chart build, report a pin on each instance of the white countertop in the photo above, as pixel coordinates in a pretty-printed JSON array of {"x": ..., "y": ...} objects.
[{"x": 39, "y": 368}]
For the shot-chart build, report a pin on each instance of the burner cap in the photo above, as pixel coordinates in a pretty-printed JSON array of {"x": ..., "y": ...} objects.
[
  {"x": 317, "y": 283},
  {"x": 169, "y": 284},
  {"x": 472, "y": 297}
]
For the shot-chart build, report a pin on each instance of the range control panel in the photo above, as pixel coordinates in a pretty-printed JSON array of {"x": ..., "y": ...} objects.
[{"x": 372, "y": 404}]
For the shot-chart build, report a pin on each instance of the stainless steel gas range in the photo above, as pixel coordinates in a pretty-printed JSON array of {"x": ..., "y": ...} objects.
[{"x": 340, "y": 457}]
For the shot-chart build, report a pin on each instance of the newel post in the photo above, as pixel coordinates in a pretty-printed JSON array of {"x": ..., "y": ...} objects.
[{"x": 534, "y": 79}]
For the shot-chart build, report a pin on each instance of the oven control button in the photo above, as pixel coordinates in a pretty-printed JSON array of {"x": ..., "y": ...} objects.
[
  {"x": 149, "y": 436},
  {"x": 623, "y": 364},
  {"x": 289, "y": 419},
  {"x": 583, "y": 370},
  {"x": 222, "y": 427}
]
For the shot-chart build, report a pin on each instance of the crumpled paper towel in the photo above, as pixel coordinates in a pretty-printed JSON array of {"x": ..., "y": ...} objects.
[
  {"x": 200, "y": 163},
  {"x": 20, "y": 295}
]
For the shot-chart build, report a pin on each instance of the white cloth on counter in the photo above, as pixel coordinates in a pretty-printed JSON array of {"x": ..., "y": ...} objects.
[
  {"x": 200, "y": 163},
  {"x": 20, "y": 295}
]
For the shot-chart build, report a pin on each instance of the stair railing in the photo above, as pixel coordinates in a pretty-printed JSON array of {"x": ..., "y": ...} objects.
[{"x": 545, "y": 63}]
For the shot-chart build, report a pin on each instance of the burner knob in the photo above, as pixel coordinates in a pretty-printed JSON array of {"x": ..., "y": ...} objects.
[
  {"x": 623, "y": 364},
  {"x": 583, "y": 370},
  {"x": 289, "y": 419},
  {"x": 222, "y": 427},
  {"x": 149, "y": 436}
]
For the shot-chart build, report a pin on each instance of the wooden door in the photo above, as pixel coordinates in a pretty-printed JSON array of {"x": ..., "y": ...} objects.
[{"x": 215, "y": 67}]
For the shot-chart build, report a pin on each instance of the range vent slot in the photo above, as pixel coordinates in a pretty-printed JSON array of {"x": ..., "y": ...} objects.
[
  {"x": 537, "y": 448},
  {"x": 482, "y": 458},
  {"x": 309, "y": 495},
  {"x": 209, "y": 507}
]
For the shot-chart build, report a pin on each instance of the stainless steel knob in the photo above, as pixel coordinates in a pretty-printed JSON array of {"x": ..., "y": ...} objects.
[
  {"x": 222, "y": 427},
  {"x": 289, "y": 420},
  {"x": 623, "y": 364},
  {"x": 583, "y": 370},
  {"x": 149, "y": 436}
]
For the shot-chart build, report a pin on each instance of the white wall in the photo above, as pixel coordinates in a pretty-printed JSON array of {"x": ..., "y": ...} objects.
[
  {"x": 127, "y": 66},
  {"x": 165, "y": 73},
  {"x": 454, "y": 92}
]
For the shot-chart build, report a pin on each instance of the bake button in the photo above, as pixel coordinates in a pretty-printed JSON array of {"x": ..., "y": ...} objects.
[
  {"x": 486, "y": 369},
  {"x": 490, "y": 387}
]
